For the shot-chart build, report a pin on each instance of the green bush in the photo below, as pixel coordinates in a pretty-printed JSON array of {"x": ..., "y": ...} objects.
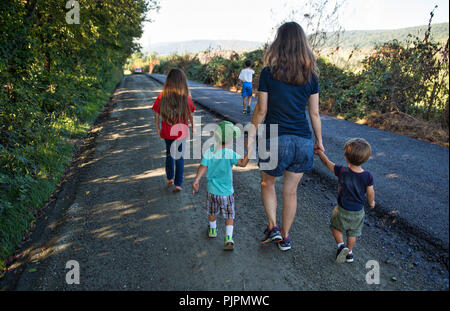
[
  {"x": 55, "y": 78},
  {"x": 410, "y": 77},
  {"x": 218, "y": 71}
]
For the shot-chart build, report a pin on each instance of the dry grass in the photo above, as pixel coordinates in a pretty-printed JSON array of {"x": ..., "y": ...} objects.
[{"x": 409, "y": 126}]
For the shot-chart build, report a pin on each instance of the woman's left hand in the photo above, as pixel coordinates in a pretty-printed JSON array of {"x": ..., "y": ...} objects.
[{"x": 318, "y": 146}]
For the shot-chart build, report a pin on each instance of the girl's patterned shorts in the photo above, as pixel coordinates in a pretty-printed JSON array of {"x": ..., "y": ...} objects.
[{"x": 217, "y": 203}]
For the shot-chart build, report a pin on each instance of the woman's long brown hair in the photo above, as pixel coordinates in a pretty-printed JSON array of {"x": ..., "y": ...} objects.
[
  {"x": 174, "y": 106},
  {"x": 290, "y": 57}
]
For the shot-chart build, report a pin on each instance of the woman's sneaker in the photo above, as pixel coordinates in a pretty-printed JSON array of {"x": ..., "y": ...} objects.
[
  {"x": 285, "y": 244},
  {"x": 349, "y": 258},
  {"x": 272, "y": 235},
  {"x": 341, "y": 254},
  {"x": 229, "y": 243},
  {"x": 212, "y": 233}
]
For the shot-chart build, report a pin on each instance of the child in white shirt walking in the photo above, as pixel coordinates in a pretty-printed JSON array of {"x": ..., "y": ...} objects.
[{"x": 246, "y": 76}]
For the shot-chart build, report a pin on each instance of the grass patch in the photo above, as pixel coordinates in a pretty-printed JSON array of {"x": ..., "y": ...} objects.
[{"x": 37, "y": 168}]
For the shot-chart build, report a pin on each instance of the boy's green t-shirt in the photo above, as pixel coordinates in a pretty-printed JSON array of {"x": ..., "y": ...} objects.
[{"x": 219, "y": 176}]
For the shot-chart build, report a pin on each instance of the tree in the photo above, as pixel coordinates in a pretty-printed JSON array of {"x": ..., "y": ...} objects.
[
  {"x": 319, "y": 18},
  {"x": 55, "y": 77}
]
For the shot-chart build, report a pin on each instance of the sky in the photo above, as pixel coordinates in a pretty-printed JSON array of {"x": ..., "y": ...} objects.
[{"x": 254, "y": 20}]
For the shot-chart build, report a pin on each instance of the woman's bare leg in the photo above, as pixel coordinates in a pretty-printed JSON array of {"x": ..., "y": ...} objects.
[
  {"x": 290, "y": 186},
  {"x": 269, "y": 198}
]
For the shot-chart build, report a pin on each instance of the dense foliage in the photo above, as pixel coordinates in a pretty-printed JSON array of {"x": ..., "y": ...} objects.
[
  {"x": 410, "y": 77},
  {"x": 212, "y": 67},
  {"x": 55, "y": 77}
]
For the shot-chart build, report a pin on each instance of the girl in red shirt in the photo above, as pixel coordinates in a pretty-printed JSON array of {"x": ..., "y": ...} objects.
[{"x": 175, "y": 109}]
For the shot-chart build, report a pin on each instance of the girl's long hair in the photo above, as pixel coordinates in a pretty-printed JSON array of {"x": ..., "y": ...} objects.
[
  {"x": 174, "y": 106},
  {"x": 290, "y": 57}
]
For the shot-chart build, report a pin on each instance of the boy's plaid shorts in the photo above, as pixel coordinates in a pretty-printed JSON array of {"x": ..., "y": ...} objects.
[{"x": 216, "y": 203}]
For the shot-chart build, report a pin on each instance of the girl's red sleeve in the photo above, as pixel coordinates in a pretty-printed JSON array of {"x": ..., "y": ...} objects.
[
  {"x": 191, "y": 104},
  {"x": 155, "y": 107}
]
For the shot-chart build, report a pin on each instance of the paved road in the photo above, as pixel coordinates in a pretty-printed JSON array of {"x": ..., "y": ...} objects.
[
  {"x": 116, "y": 217},
  {"x": 411, "y": 176}
]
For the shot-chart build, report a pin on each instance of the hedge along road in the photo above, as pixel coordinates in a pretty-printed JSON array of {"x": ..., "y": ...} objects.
[
  {"x": 411, "y": 176},
  {"x": 116, "y": 217}
]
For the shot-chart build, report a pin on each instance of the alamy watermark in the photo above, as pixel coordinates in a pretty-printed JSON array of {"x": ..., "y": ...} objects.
[
  {"x": 73, "y": 15},
  {"x": 73, "y": 275},
  {"x": 373, "y": 276}
]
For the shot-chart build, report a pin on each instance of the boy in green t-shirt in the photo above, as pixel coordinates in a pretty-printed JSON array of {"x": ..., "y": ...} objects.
[{"x": 218, "y": 163}]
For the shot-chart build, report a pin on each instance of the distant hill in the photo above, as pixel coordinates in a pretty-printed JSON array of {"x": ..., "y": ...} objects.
[
  {"x": 368, "y": 38},
  {"x": 194, "y": 46},
  {"x": 350, "y": 39}
]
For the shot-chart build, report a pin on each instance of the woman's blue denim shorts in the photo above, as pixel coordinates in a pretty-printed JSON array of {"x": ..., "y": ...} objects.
[{"x": 295, "y": 154}]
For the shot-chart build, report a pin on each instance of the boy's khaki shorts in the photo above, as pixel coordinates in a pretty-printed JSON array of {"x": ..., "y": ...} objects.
[{"x": 350, "y": 222}]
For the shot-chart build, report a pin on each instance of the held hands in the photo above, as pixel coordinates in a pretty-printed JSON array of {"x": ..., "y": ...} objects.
[
  {"x": 372, "y": 205},
  {"x": 318, "y": 147},
  {"x": 243, "y": 162}
]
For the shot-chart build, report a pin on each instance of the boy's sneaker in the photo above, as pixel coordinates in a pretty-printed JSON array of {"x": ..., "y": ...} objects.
[
  {"x": 212, "y": 233},
  {"x": 349, "y": 258},
  {"x": 229, "y": 243},
  {"x": 341, "y": 254},
  {"x": 249, "y": 109},
  {"x": 272, "y": 235},
  {"x": 285, "y": 244},
  {"x": 244, "y": 111}
]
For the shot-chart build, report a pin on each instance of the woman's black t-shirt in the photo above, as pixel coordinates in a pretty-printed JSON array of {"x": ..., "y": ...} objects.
[{"x": 287, "y": 104}]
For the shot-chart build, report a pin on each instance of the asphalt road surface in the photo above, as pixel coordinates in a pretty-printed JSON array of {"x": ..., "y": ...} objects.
[{"x": 127, "y": 230}]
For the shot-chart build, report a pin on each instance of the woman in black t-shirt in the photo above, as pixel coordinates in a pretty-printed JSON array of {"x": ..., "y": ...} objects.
[{"x": 287, "y": 84}]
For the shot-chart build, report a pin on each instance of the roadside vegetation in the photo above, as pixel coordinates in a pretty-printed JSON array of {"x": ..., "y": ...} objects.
[
  {"x": 139, "y": 60},
  {"x": 398, "y": 86},
  {"x": 55, "y": 78}
]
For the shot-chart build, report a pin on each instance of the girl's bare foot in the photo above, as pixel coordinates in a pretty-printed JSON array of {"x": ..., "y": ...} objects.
[{"x": 177, "y": 189}]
